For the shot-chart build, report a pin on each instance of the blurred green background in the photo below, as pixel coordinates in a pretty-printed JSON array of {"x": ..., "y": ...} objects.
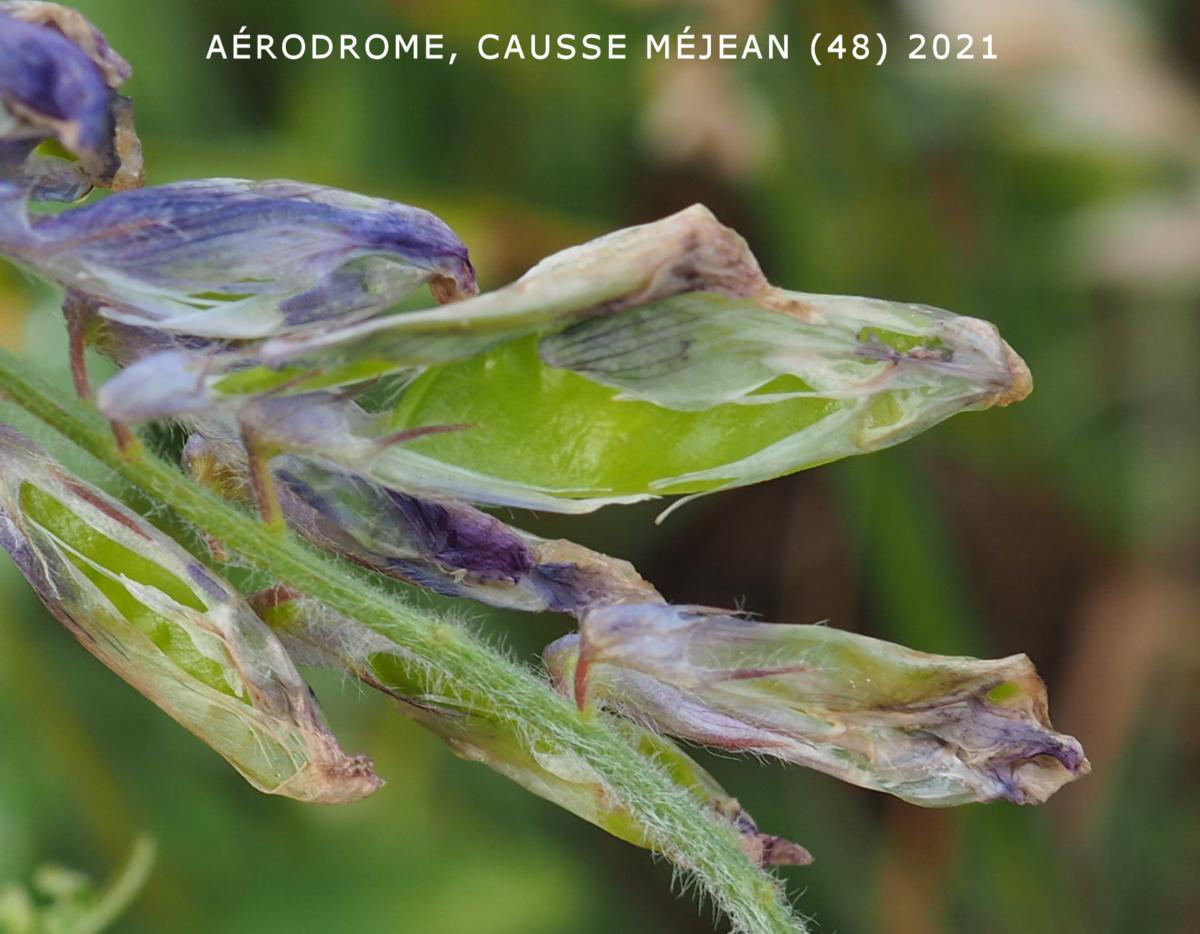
[{"x": 1055, "y": 191}]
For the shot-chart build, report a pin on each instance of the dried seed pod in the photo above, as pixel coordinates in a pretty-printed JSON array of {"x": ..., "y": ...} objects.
[
  {"x": 931, "y": 729},
  {"x": 178, "y": 634},
  {"x": 58, "y": 80},
  {"x": 235, "y": 259},
  {"x": 473, "y": 732}
]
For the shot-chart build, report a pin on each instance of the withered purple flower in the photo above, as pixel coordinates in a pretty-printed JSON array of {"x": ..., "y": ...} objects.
[
  {"x": 234, "y": 259},
  {"x": 178, "y": 634},
  {"x": 448, "y": 547},
  {"x": 58, "y": 80},
  {"x": 933, "y": 730}
]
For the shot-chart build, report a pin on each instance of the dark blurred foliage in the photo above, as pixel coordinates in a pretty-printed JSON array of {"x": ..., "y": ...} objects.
[{"x": 1055, "y": 192}]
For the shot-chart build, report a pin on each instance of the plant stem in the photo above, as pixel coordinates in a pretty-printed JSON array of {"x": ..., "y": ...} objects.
[{"x": 447, "y": 657}]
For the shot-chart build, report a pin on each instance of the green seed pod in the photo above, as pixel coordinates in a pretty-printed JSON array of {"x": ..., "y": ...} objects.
[
  {"x": 321, "y": 638},
  {"x": 178, "y": 634},
  {"x": 656, "y": 361}
]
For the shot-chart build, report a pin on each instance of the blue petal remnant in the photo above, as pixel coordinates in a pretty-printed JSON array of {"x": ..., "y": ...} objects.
[
  {"x": 445, "y": 546},
  {"x": 236, "y": 259},
  {"x": 450, "y": 534},
  {"x": 58, "y": 80}
]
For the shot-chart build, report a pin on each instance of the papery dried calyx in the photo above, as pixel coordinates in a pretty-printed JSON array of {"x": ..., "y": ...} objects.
[
  {"x": 474, "y": 732},
  {"x": 178, "y": 634},
  {"x": 934, "y": 730},
  {"x": 58, "y": 81}
]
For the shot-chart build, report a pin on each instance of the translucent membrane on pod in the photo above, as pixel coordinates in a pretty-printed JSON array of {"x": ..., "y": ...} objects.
[
  {"x": 931, "y": 729},
  {"x": 657, "y": 360},
  {"x": 178, "y": 634},
  {"x": 473, "y": 732}
]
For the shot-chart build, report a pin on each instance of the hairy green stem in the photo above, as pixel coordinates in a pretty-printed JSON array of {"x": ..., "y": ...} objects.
[{"x": 449, "y": 658}]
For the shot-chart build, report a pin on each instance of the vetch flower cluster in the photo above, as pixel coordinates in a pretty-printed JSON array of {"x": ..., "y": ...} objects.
[{"x": 658, "y": 360}]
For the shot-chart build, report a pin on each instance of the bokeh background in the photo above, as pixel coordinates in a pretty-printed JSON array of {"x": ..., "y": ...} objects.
[{"x": 1055, "y": 191}]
